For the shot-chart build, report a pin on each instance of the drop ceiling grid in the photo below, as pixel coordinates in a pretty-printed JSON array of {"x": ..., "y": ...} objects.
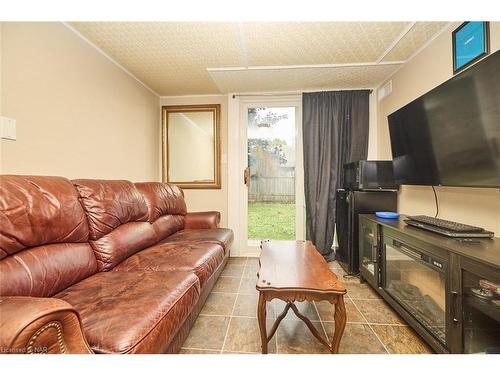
[{"x": 173, "y": 57}]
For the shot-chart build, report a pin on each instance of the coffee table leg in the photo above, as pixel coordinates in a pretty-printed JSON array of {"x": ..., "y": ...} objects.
[
  {"x": 340, "y": 321},
  {"x": 261, "y": 315}
]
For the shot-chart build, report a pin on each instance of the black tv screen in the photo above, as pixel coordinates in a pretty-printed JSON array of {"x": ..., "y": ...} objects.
[{"x": 451, "y": 135}]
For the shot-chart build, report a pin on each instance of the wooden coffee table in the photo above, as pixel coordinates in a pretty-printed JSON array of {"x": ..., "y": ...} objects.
[{"x": 295, "y": 271}]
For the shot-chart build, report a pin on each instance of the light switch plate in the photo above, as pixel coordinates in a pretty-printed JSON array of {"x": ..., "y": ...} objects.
[{"x": 8, "y": 128}]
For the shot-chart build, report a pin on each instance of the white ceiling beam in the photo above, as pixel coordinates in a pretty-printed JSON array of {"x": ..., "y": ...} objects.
[
  {"x": 243, "y": 45},
  {"x": 314, "y": 66},
  {"x": 395, "y": 42}
]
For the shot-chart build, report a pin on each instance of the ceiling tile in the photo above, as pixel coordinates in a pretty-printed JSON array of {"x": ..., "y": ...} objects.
[
  {"x": 302, "y": 43},
  {"x": 416, "y": 38},
  {"x": 302, "y": 78},
  {"x": 170, "y": 57}
]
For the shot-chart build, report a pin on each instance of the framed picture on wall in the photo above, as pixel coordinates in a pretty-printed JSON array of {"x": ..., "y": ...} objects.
[{"x": 470, "y": 43}]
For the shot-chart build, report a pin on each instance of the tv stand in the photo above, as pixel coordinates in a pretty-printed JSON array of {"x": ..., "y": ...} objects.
[{"x": 444, "y": 288}]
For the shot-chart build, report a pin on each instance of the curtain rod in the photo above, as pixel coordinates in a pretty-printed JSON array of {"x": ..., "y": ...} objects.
[{"x": 292, "y": 93}]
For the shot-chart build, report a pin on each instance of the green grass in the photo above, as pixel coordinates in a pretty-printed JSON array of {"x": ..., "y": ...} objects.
[{"x": 271, "y": 220}]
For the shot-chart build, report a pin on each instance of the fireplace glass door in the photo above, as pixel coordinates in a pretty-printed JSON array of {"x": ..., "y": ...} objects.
[
  {"x": 417, "y": 282},
  {"x": 368, "y": 262}
]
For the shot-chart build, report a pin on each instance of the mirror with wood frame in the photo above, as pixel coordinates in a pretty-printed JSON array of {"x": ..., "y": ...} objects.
[{"x": 191, "y": 146}]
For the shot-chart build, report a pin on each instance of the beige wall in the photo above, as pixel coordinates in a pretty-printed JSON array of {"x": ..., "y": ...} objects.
[
  {"x": 425, "y": 71},
  {"x": 372, "y": 131},
  {"x": 208, "y": 199},
  {"x": 78, "y": 114}
]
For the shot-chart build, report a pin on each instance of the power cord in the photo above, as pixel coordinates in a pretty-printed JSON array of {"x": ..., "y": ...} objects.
[{"x": 436, "y": 199}]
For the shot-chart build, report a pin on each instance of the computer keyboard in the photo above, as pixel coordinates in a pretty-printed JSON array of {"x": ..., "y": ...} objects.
[{"x": 445, "y": 224}]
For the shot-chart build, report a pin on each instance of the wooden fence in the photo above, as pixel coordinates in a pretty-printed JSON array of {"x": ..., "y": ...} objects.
[{"x": 272, "y": 189}]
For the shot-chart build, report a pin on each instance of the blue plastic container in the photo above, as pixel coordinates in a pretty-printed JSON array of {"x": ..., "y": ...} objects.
[{"x": 387, "y": 215}]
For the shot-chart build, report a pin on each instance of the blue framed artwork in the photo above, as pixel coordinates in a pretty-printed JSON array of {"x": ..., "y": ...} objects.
[{"x": 470, "y": 43}]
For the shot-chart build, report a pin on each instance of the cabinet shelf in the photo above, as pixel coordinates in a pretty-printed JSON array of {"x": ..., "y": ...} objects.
[{"x": 483, "y": 306}]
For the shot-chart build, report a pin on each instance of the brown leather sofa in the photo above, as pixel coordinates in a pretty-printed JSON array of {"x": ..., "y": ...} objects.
[{"x": 101, "y": 266}]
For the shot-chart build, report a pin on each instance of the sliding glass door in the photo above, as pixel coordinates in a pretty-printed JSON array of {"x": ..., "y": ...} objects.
[{"x": 271, "y": 165}]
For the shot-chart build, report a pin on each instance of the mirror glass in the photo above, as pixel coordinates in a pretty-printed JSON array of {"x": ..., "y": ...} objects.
[{"x": 191, "y": 157}]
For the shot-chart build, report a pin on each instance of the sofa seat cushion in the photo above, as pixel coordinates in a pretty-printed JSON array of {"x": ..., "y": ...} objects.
[
  {"x": 133, "y": 312},
  {"x": 222, "y": 236},
  {"x": 202, "y": 258}
]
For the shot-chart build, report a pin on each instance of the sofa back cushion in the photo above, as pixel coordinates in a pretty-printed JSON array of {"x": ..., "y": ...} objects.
[
  {"x": 43, "y": 236},
  {"x": 117, "y": 216},
  {"x": 166, "y": 207}
]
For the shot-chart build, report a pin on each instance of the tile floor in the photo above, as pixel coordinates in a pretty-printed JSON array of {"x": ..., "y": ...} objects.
[{"x": 228, "y": 321}]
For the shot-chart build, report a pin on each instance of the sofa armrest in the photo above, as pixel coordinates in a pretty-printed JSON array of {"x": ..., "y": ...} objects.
[
  {"x": 202, "y": 220},
  {"x": 40, "y": 325}
]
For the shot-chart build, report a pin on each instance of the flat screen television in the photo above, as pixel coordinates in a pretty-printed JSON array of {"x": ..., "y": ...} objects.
[{"x": 450, "y": 136}]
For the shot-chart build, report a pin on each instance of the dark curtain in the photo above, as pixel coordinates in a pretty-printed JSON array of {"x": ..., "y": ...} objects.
[{"x": 335, "y": 132}]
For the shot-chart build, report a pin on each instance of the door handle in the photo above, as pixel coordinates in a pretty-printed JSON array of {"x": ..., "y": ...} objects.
[
  {"x": 246, "y": 176},
  {"x": 374, "y": 253},
  {"x": 454, "y": 297}
]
